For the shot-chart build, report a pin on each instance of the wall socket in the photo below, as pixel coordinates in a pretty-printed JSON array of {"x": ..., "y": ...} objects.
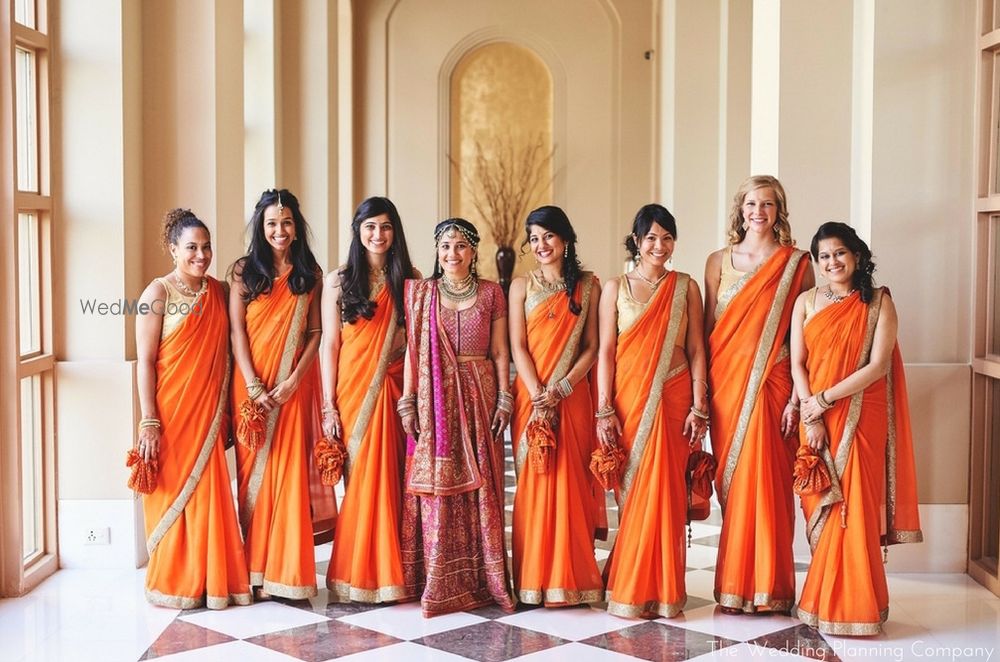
[{"x": 99, "y": 535}]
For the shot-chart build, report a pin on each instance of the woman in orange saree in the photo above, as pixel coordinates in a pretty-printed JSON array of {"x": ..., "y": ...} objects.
[
  {"x": 455, "y": 408},
  {"x": 750, "y": 288},
  {"x": 849, "y": 375},
  {"x": 651, "y": 392},
  {"x": 193, "y": 539},
  {"x": 362, "y": 351},
  {"x": 553, "y": 330},
  {"x": 276, "y": 332}
]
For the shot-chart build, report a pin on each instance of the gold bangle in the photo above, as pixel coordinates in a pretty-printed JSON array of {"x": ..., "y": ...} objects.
[
  {"x": 822, "y": 401},
  {"x": 607, "y": 411},
  {"x": 699, "y": 413}
]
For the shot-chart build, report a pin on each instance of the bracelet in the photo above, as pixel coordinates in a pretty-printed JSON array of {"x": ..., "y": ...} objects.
[
  {"x": 699, "y": 413},
  {"x": 255, "y": 388},
  {"x": 315, "y": 329},
  {"x": 505, "y": 401},
  {"x": 331, "y": 410},
  {"x": 815, "y": 421},
  {"x": 149, "y": 423},
  {"x": 407, "y": 404},
  {"x": 794, "y": 405},
  {"x": 563, "y": 388},
  {"x": 695, "y": 380},
  {"x": 822, "y": 401},
  {"x": 607, "y": 411}
]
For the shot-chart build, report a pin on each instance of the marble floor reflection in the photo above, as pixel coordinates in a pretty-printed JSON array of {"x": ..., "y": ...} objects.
[{"x": 101, "y": 615}]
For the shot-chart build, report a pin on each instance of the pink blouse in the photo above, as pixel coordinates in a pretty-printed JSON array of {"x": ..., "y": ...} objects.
[{"x": 469, "y": 330}]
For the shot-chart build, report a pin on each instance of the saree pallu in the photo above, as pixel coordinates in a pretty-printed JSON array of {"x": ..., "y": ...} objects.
[
  {"x": 555, "y": 517},
  {"x": 453, "y": 525},
  {"x": 750, "y": 383},
  {"x": 873, "y": 496},
  {"x": 192, "y": 536},
  {"x": 366, "y": 564},
  {"x": 646, "y": 567},
  {"x": 274, "y": 481}
]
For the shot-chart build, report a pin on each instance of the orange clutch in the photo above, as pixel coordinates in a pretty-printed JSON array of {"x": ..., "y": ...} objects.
[
  {"x": 810, "y": 475},
  {"x": 541, "y": 445},
  {"x": 252, "y": 425},
  {"x": 701, "y": 468},
  {"x": 330, "y": 454},
  {"x": 143, "y": 478},
  {"x": 607, "y": 466}
]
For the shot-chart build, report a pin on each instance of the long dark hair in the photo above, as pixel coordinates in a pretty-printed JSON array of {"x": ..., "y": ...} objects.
[
  {"x": 862, "y": 279},
  {"x": 256, "y": 268},
  {"x": 644, "y": 219},
  {"x": 356, "y": 290},
  {"x": 554, "y": 219},
  {"x": 468, "y": 231}
]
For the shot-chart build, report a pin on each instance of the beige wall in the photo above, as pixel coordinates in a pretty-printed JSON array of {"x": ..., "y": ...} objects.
[{"x": 871, "y": 122}]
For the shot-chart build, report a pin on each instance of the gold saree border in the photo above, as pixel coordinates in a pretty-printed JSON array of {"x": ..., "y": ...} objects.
[
  {"x": 565, "y": 359},
  {"x": 284, "y": 369},
  {"x": 677, "y": 307},
  {"x": 560, "y": 596},
  {"x": 629, "y": 610},
  {"x": 345, "y": 592},
  {"x": 760, "y": 601},
  {"x": 191, "y": 484},
  {"x": 186, "y": 602},
  {"x": 893, "y": 535},
  {"x": 838, "y": 628},
  {"x": 817, "y": 522},
  {"x": 371, "y": 397},
  {"x": 759, "y": 366}
]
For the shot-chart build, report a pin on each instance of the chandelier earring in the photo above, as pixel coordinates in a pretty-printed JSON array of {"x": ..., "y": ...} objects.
[
  {"x": 566, "y": 251},
  {"x": 746, "y": 225}
]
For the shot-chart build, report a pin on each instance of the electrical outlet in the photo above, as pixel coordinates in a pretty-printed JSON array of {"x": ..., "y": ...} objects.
[{"x": 100, "y": 535}]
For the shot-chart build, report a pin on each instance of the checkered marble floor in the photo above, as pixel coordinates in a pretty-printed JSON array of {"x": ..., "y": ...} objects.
[{"x": 101, "y": 615}]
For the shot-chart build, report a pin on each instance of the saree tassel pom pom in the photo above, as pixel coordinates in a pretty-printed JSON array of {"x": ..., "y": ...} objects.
[
  {"x": 251, "y": 426},
  {"x": 541, "y": 445},
  {"x": 607, "y": 466},
  {"x": 143, "y": 477},
  {"x": 330, "y": 455},
  {"x": 810, "y": 475}
]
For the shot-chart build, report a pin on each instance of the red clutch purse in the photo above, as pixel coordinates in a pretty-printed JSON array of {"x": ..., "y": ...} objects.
[
  {"x": 810, "y": 475},
  {"x": 330, "y": 455}
]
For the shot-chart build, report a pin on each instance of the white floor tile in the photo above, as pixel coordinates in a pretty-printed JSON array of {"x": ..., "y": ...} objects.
[
  {"x": 406, "y": 621},
  {"x": 701, "y": 556},
  {"x": 403, "y": 651},
  {"x": 741, "y": 652},
  {"x": 738, "y": 627},
  {"x": 574, "y": 652},
  {"x": 260, "y": 618},
  {"x": 231, "y": 650},
  {"x": 572, "y": 624}
]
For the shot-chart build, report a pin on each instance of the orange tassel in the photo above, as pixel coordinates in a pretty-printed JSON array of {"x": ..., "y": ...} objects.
[
  {"x": 607, "y": 466},
  {"x": 143, "y": 478},
  {"x": 252, "y": 425},
  {"x": 330, "y": 455},
  {"x": 541, "y": 445}
]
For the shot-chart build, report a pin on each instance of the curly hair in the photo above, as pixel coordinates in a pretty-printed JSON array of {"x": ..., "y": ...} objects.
[
  {"x": 782, "y": 228},
  {"x": 175, "y": 222},
  {"x": 355, "y": 301},
  {"x": 554, "y": 219},
  {"x": 862, "y": 279},
  {"x": 256, "y": 268}
]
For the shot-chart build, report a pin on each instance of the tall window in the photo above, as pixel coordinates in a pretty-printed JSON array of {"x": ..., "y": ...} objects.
[
  {"x": 29, "y": 395},
  {"x": 984, "y": 502}
]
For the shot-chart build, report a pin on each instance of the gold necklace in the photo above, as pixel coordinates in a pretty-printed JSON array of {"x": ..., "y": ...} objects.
[
  {"x": 184, "y": 289},
  {"x": 376, "y": 280},
  {"x": 837, "y": 298},
  {"x": 460, "y": 290},
  {"x": 551, "y": 286},
  {"x": 653, "y": 284}
]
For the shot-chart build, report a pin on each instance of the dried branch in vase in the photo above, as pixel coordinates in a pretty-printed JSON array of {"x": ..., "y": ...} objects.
[{"x": 504, "y": 180}]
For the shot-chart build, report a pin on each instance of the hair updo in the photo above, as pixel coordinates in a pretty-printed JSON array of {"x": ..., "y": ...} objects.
[
  {"x": 862, "y": 279},
  {"x": 644, "y": 219},
  {"x": 175, "y": 222}
]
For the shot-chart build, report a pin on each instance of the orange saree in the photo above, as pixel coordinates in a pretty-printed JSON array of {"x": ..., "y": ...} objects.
[
  {"x": 366, "y": 564},
  {"x": 873, "y": 496},
  {"x": 274, "y": 482},
  {"x": 555, "y": 517},
  {"x": 195, "y": 551},
  {"x": 646, "y": 567},
  {"x": 750, "y": 383}
]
